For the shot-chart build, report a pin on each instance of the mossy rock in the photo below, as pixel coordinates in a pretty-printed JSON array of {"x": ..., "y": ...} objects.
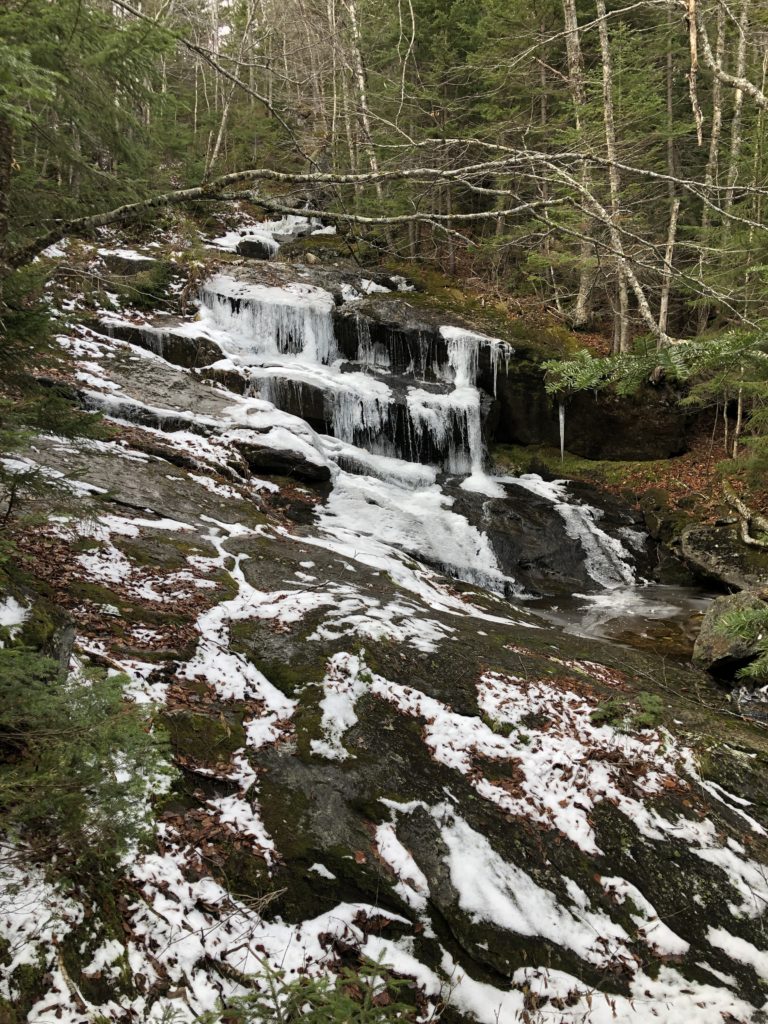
[
  {"x": 438, "y": 292},
  {"x": 720, "y": 650},
  {"x": 207, "y": 737},
  {"x": 329, "y": 248},
  {"x": 718, "y": 553}
]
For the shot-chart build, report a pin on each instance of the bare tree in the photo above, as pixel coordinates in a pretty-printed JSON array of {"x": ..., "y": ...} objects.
[{"x": 620, "y": 333}]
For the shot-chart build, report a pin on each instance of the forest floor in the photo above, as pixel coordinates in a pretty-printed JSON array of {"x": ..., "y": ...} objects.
[{"x": 689, "y": 484}]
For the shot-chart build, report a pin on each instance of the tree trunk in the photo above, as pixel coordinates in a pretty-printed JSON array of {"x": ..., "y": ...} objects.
[
  {"x": 666, "y": 279},
  {"x": 6, "y": 167},
  {"x": 362, "y": 91},
  {"x": 581, "y": 311},
  {"x": 621, "y": 334},
  {"x": 738, "y": 105},
  {"x": 710, "y": 174}
]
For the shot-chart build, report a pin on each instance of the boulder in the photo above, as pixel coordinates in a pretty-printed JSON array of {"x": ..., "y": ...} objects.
[
  {"x": 719, "y": 651},
  {"x": 179, "y": 349},
  {"x": 263, "y": 456},
  {"x": 255, "y": 249},
  {"x": 127, "y": 266},
  {"x": 718, "y": 553}
]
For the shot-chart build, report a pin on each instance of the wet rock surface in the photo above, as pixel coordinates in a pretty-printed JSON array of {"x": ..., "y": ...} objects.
[
  {"x": 254, "y": 248},
  {"x": 539, "y": 549}
]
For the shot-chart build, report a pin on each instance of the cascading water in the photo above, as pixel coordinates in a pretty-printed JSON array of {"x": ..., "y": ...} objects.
[
  {"x": 359, "y": 411},
  {"x": 383, "y": 426},
  {"x": 374, "y": 357},
  {"x": 453, "y": 421},
  {"x": 609, "y": 562},
  {"x": 464, "y": 349}
]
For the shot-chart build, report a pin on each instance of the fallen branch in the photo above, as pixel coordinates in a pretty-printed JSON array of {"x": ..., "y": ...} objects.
[{"x": 748, "y": 520}]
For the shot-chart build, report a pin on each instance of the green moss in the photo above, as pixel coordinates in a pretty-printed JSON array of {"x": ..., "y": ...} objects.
[
  {"x": 529, "y": 458},
  {"x": 307, "y": 721},
  {"x": 438, "y": 292},
  {"x": 287, "y": 666},
  {"x": 650, "y": 710},
  {"x": 152, "y": 552},
  {"x": 502, "y": 728},
  {"x": 646, "y": 712},
  {"x": 205, "y": 737},
  {"x": 283, "y": 809},
  {"x": 97, "y": 593},
  {"x": 39, "y": 628}
]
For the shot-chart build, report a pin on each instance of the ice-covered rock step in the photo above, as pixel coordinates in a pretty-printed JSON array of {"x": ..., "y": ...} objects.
[
  {"x": 345, "y": 283},
  {"x": 263, "y": 320},
  {"x": 268, "y": 440},
  {"x": 280, "y": 310},
  {"x": 388, "y": 333},
  {"x": 262, "y": 240},
  {"x": 180, "y": 341},
  {"x": 434, "y": 424},
  {"x": 148, "y": 392}
]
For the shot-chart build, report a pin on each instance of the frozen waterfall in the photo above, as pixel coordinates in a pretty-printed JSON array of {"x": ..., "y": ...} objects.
[{"x": 397, "y": 410}]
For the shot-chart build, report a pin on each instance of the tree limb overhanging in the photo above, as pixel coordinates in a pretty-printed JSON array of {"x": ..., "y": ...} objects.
[
  {"x": 590, "y": 205},
  {"x": 739, "y": 82}
]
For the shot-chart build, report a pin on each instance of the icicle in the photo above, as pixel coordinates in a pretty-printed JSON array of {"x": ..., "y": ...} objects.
[
  {"x": 499, "y": 349},
  {"x": 358, "y": 417},
  {"x": 296, "y": 320},
  {"x": 561, "y": 417}
]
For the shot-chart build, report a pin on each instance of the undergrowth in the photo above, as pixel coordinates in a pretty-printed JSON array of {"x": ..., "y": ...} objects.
[
  {"x": 76, "y": 762},
  {"x": 645, "y": 713},
  {"x": 366, "y": 995},
  {"x": 750, "y": 625}
]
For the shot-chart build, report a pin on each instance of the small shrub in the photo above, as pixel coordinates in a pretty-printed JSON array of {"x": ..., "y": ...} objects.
[
  {"x": 350, "y": 997},
  {"x": 148, "y": 289},
  {"x": 751, "y": 625},
  {"x": 76, "y": 764}
]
